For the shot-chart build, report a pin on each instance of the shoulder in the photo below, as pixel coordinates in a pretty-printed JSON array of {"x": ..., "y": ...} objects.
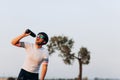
[
  {"x": 28, "y": 44},
  {"x": 45, "y": 51}
]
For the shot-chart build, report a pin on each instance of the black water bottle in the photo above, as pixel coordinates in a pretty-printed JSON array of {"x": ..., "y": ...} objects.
[{"x": 31, "y": 33}]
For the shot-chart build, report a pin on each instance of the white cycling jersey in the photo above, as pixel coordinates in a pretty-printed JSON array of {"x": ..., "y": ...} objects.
[{"x": 34, "y": 57}]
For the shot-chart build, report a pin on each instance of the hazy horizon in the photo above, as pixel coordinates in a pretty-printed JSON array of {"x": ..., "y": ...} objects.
[{"x": 90, "y": 23}]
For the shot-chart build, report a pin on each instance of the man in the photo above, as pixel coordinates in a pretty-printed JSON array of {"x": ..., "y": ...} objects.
[{"x": 36, "y": 56}]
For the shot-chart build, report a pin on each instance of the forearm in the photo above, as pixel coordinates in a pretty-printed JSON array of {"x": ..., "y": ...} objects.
[
  {"x": 43, "y": 72},
  {"x": 17, "y": 39}
]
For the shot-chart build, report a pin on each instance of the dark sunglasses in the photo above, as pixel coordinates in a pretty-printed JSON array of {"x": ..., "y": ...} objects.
[{"x": 40, "y": 36}]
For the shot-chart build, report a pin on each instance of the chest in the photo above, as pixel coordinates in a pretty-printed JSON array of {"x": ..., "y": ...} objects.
[{"x": 35, "y": 55}]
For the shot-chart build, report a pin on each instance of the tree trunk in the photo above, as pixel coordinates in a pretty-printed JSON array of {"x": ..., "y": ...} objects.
[{"x": 80, "y": 69}]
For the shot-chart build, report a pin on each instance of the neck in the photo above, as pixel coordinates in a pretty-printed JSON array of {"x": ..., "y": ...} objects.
[{"x": 38, "y": 46}]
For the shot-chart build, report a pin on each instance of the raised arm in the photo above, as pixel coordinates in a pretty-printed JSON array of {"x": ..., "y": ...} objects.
[{"x": 16, "y": 41}]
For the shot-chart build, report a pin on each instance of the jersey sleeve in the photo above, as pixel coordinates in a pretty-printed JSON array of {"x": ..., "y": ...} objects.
[
  {"x": 24, "y": 44},
  {"x": 46, "y": 58}
]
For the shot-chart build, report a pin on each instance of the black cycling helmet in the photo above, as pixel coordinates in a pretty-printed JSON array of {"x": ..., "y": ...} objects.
[{"x": 45, "y": 37}]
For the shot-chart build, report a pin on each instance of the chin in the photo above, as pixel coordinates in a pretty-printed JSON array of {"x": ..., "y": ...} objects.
[{"x": 39, "y": 43}]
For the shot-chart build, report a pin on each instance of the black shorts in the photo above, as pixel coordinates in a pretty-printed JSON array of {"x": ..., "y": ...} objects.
[{"x": 25, "y": 75}]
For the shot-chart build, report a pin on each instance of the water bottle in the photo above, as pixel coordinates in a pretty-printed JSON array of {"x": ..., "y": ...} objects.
[{"x": 31, "y": 33}]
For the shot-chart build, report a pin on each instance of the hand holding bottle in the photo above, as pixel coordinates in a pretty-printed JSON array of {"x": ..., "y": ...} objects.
[{"x": 28, "y": 31}]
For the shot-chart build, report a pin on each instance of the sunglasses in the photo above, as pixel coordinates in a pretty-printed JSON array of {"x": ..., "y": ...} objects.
[{"x": 40, "y": 36}]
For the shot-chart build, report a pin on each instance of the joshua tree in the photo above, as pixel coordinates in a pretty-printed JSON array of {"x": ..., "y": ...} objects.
[{"x": 65, "y": 45}]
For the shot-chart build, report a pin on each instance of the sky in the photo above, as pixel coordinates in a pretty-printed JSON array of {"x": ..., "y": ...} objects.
[{"x": 93, "y": 24}]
